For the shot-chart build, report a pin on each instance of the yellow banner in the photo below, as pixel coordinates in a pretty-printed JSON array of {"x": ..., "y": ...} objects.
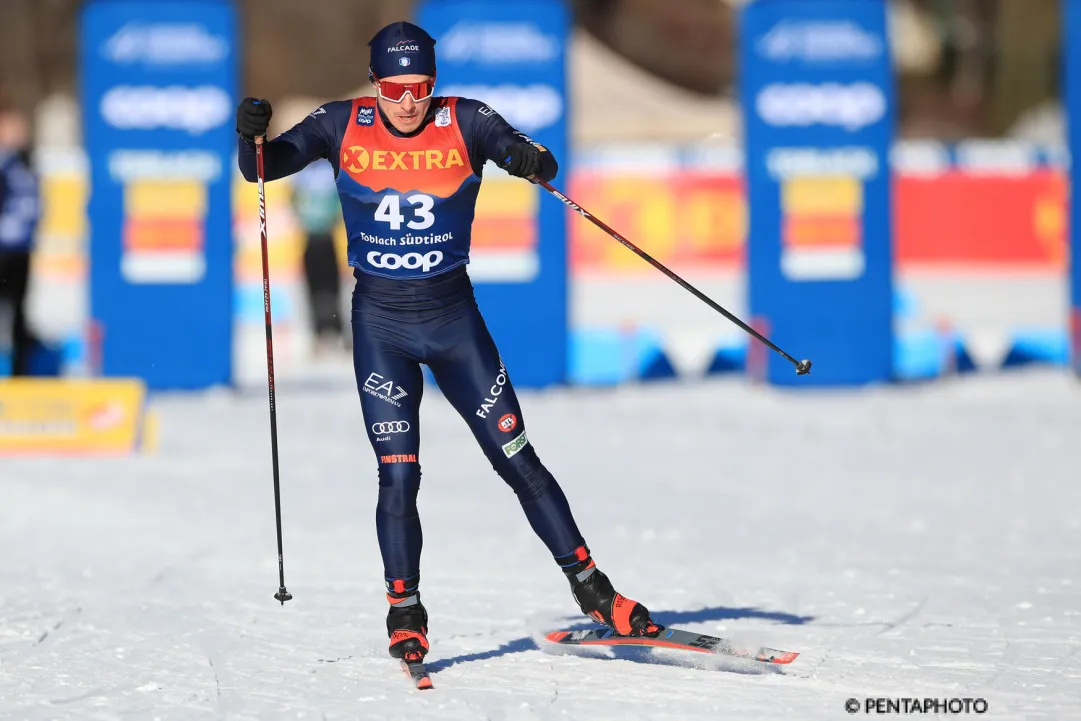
[{"x": 76, "y": 417}]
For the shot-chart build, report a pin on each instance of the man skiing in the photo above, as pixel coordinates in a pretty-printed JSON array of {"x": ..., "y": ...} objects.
[{"x": 408, "y": 167}]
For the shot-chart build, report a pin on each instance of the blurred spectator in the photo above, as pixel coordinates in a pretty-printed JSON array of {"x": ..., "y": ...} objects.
[
  {"x": 318, "y": 210},
  {"x": 20, "y": 209}
]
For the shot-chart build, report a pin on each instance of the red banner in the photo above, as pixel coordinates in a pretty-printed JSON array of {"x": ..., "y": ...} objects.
[{"x": 698, "y": 220}]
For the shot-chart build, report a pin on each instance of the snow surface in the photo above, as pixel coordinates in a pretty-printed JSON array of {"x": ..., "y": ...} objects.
[{"x": 909, "y": 542}]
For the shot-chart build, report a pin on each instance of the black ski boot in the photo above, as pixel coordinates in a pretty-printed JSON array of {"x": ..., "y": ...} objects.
[
  {"x": 407, "y": 627},
  {"x": 600, "y": 601}
]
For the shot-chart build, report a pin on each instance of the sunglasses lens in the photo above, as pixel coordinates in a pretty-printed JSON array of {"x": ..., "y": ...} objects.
[
  {"x": 392, "y": 91},
  {"x": 396, "y": 91}
]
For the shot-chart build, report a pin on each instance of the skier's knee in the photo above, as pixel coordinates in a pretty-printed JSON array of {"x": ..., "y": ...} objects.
[
  {"x": 528, "y": 477},
  {"x": 399, "y": 484}
]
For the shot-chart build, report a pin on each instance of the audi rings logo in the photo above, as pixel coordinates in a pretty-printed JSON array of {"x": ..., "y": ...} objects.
[{"x": 382, "y": 429}]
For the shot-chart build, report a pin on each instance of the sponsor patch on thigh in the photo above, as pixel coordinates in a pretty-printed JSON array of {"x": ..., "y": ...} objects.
[{"x": 512, "y": 448}]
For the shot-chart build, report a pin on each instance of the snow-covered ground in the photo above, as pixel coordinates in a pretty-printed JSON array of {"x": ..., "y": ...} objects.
[{"x": 909, "y": 542}]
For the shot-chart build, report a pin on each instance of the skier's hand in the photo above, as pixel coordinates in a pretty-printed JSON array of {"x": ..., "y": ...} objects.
[
  {"x": 253, "y": 117},
  {"x": 522, "y": 160}
]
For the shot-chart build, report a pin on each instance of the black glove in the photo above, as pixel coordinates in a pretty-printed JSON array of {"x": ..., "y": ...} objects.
[
  {"x": 522, "y": 160},
  {"x": 253, "y": 117}
]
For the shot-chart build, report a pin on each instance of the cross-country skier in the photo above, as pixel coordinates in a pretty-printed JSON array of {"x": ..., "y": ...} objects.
[{"x": 408, "y": 168}]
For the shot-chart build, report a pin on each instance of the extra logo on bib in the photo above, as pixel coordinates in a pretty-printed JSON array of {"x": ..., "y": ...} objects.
[{"x": 357, "y": 159}]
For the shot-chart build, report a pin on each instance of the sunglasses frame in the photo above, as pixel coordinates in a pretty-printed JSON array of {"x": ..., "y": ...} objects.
[{"x": 379, "y": 88}]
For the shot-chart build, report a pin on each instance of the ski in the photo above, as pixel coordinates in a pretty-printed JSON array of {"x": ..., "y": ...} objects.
[
  {"x": 671, "y": 638},
  {"x": 418, "y": 674}
]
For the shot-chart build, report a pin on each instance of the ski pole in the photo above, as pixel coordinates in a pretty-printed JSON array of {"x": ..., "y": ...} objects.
[
  {"x": 803, "y": 367},
  {"x": 282, "y": 595}
]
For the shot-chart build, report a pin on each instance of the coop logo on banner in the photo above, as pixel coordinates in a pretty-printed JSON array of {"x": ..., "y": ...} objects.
[
  {"x": 191, "y": 110},
  {"x": 849, "y": 106},
  {"x": 823, "y": 41},
  {"x": 497, "y": 43},
  {"x": 165, "y": 44}
]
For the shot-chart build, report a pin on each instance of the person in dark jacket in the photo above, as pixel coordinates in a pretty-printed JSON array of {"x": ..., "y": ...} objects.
[{"x": 20, "y": 211}]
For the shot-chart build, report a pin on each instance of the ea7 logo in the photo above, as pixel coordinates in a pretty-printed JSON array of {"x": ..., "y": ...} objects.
[{"x": 385, "y": 391}]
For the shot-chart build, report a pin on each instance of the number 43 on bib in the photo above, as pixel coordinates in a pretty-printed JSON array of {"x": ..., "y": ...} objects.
[{"x": 390, "y": 211}]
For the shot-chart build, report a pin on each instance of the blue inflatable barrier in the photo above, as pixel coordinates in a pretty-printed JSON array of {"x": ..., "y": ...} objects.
[
  {"x": 926, "y": 354},
  {"x": 1038, "y": 346},
  {"x": 650, "y": 360},
  {"x": 963, "y": 362},
  {"x": 728, "y": 358},
  {"x": 918, "y": 356},
  {"x": 608, "y": 356}
]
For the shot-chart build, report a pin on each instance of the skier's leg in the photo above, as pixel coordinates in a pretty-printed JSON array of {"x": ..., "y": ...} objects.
[
  {"x": 390, "y": 385},
  {"x": 474, "y": 379}
]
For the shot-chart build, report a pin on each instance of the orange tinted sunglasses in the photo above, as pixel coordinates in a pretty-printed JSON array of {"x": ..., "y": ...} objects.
[{"x": 395, "y": 92}]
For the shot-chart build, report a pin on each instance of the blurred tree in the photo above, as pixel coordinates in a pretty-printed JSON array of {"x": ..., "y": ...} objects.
[
  {"x": 686, "y": 42},
  {"x": 37, "y": 49},
  {"x": 1028, "y": 50},
  {"x": 998, "y": 58}
]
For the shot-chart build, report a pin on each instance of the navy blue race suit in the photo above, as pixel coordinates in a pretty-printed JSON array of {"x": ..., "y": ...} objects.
[{"x": 408, "y": 204}]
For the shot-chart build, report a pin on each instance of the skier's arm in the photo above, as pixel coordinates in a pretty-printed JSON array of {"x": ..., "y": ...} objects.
[
  {"x": 314, "y": 137},
  {"x": 490, "y": 137}
]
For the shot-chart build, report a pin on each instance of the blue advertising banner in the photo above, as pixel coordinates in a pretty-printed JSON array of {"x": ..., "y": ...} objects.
[
  {"x": 818, "y": 107},
  {"x": 1071, "y": 43},
  {"x": 158, "y": 86},
  {"x": 511, "y": 56}
]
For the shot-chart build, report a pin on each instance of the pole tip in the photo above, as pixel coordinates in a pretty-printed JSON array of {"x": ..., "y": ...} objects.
[
  {"x": 283, "y": 595},
  {"x": 803, "y": 367}
]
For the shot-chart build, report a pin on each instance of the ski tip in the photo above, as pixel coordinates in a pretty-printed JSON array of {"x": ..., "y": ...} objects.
[
  {"x": 786, "y": 657},
  {"x": 424, "y": 683},
  {"x": 557, "y": 636}
]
